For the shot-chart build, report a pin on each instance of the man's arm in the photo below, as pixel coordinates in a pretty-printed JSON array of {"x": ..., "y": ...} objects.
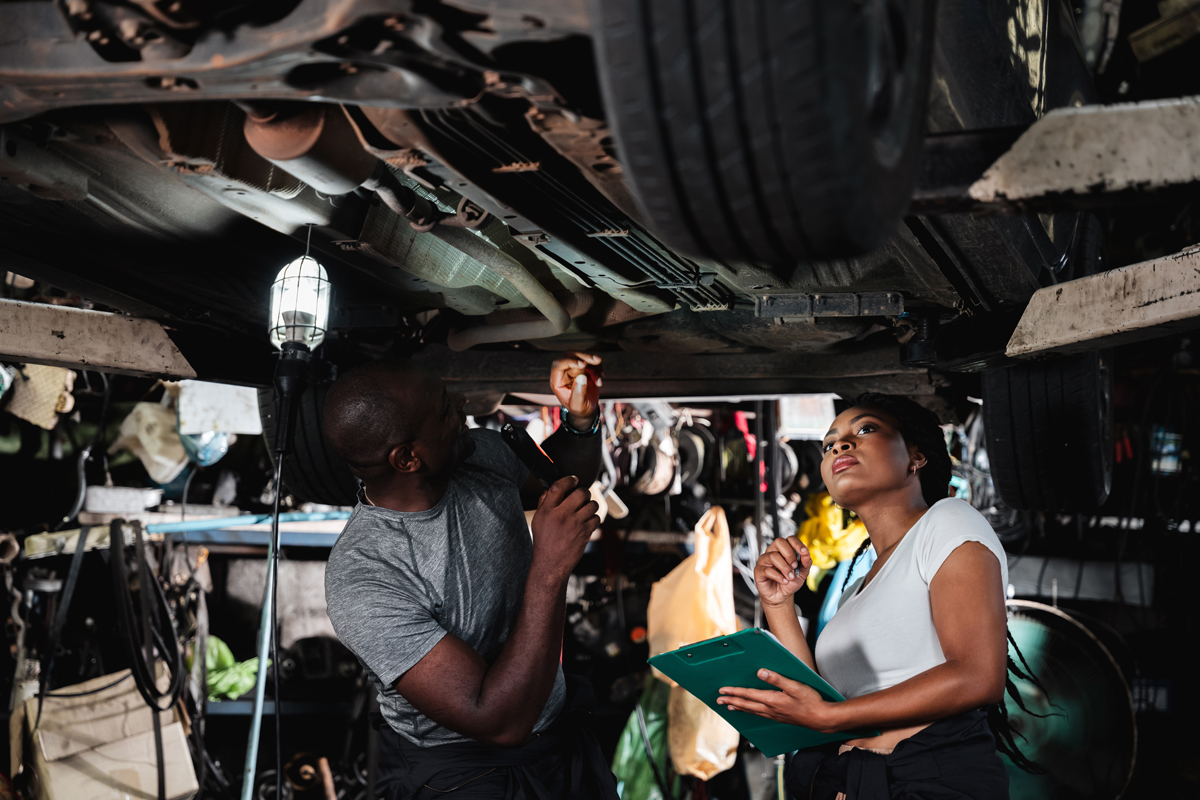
[
  {"x": 576, "y": 383},
  {"x": 500, "y": 704},
  {"x": 576, "y": 455}
]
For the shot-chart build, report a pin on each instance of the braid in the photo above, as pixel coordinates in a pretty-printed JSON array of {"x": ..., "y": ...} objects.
[
  {"x": 997, "y": 713},
  {"x": 862, "y": 548}
]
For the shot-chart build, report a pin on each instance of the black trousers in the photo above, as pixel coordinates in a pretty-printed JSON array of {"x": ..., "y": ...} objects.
[
  {"x": 562, "y": 763},
  {"x": 953, "y": 759}
]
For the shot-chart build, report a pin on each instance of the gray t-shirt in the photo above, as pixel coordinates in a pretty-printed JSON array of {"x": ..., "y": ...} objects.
[{"x": 397, "y": 582}]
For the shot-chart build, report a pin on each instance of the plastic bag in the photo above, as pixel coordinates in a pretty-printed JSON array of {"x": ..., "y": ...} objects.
[
  {"x": 702, "y": 744},
  {"x": 631, "y": 766},
  {"x": 149, "y": 433},
  {"x": 692, "y": 603},
  {"x": 830, "y": 534}
]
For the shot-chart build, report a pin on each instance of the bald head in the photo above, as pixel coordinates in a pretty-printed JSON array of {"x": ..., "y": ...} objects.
[{"x": 373, "y": 408}]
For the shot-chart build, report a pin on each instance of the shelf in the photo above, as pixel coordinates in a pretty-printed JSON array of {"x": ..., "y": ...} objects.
[
  {"x": 258, "y": 537},
  {"x": 244, "y": 708}
]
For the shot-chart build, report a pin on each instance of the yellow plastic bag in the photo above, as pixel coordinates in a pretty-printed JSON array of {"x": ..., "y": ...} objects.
[
  {"x": 702, "y": 744},
  {"x": 827, "y": 540},
  {"x": 692, "y": 603}
]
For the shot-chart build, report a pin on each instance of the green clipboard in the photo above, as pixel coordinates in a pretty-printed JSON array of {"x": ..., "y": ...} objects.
[{"x": 704, "y": 667}]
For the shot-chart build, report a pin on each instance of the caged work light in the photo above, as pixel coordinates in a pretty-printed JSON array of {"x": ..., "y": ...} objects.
[
  {"x": 299, "y": 315},
  {"x": 300, "y": 304}
]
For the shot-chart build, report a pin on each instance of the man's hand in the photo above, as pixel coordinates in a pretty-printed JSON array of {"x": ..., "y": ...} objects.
[
  {"x": 564, "y": 522},
  {"x": 576, "y": 381},
  {"x": 773, "y": 572}
]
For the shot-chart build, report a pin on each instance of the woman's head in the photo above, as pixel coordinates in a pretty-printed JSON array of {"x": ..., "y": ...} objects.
[{"x": 885, "y": 443}]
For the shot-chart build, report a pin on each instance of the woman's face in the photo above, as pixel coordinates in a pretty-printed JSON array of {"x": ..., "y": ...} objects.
[{"x": 865, "y": 455}]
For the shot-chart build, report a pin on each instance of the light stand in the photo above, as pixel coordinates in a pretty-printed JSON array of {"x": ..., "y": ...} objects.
[{"x": 299, "y": 310}]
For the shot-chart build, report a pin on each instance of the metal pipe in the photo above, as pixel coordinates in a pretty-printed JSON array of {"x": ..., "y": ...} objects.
[
  {"x": 407, "y": 204},
  {"x": 557, "y": 319}
]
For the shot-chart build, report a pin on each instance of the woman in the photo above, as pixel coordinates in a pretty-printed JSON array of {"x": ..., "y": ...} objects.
[{"x": 918, "y": 646}]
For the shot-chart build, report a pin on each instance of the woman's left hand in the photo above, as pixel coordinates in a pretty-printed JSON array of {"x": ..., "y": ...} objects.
[{"x": 794, "y": 703}]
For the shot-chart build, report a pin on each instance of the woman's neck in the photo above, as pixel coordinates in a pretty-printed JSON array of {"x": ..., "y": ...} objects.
[{"x": 887, "y": 520}]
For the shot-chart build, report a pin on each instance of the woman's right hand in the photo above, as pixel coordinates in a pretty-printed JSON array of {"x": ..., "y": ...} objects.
[{"x": 781, "y": 571}]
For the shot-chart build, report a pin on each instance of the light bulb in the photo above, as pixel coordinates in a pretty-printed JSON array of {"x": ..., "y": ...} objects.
[{"x": 300, "y": 304}]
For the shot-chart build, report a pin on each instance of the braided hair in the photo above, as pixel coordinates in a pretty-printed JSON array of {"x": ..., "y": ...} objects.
[{"x": 920, "y": 427}]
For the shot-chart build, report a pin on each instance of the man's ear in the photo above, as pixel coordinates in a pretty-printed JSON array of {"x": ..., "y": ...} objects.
[{"x": 404, "y": 459}]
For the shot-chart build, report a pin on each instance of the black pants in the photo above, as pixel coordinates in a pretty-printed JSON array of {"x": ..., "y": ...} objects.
[
  {"x": 953, "y": 759},
  {"x": 562, "y": 763}
]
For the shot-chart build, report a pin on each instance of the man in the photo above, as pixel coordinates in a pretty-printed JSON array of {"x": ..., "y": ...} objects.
[{"x": 437, "y": 589}]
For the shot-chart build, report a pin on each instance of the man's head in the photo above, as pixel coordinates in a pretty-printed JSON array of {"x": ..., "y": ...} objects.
[{"x": 395, "y": 419}]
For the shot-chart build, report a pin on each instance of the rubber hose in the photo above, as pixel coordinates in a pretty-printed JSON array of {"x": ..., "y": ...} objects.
[{"x": 557, "y": 319}]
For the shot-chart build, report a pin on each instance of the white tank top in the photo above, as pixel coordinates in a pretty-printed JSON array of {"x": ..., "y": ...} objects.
[{"x": 884, "y": 634}]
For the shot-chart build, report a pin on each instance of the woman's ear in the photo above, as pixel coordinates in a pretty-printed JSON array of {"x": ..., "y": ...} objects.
[{"x": 916, "y": 460}]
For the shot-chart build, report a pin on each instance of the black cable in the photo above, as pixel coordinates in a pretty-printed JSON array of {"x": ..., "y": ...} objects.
[
  {"x": 60, "y": 619},
  {"x": 144, "y": 673},
  {"x": 90, "y": 692},
  {"x": 145, "y": 576},
  {"x": 154, "y": 617}
]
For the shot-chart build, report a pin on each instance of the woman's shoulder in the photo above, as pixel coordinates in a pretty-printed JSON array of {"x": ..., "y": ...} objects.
[
  {"x": 953, "y": 513},
  {"x": 947, "y": 524}
]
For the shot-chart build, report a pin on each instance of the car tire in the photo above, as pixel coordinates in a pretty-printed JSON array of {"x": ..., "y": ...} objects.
[
  {"x": 1050, "y": 432},
  {"x": 312, "y": 472},
  {"x": 756, "y": 136}
]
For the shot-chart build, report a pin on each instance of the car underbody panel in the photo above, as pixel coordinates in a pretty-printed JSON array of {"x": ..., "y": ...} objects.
[{"x": 450, "y": 165}]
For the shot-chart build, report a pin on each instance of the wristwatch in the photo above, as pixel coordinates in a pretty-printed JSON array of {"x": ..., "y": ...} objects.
[{"x": 565, "y": 417}]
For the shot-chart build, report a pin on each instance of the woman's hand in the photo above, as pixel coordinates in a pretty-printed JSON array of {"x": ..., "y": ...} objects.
[
  {"x": 773, "y": 574},
  {"x": 793, "y": 703}
]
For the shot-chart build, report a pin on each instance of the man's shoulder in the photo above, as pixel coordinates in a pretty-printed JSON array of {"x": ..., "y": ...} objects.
[
  {"x": 366, "y": 539},
  {"x": 489, "y": 447}
]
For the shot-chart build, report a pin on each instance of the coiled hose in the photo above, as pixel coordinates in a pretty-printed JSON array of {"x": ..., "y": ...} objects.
[{"x": 145, "y": 632}]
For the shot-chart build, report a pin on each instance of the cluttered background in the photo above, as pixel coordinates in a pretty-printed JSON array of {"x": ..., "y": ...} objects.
[{"x": 691, "y": 491}]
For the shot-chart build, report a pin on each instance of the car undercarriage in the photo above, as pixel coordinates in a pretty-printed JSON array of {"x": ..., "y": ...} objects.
[{"x": 683, "y": 187}]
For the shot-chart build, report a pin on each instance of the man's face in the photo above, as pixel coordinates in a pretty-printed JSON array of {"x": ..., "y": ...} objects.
[{"x": 443, "y": 441}]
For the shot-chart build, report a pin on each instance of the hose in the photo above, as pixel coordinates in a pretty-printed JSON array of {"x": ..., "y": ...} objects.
[
  {"x": 156, "y": 611},
  {"x": 157, "y": 629}
]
